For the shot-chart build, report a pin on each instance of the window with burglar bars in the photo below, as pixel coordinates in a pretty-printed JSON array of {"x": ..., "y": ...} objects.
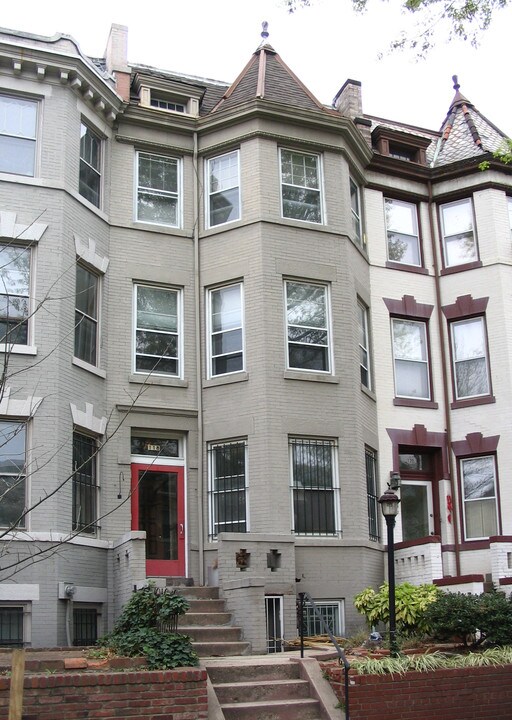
[
  {"x": 227, "y": 488},
  {"x": 314, "y": 487},
  {"x": 330, "y": 613},
  {"x": 85, "y": 626},
  {"x": 371, "y": 493},
  {"x": 11, "y": 626},
  {"x": 85, "y": 486}
]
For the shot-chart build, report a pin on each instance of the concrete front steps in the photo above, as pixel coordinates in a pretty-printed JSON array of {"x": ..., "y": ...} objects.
[
  {"x": 269, "y": 688},
  {"x": 209, "y": 624}
]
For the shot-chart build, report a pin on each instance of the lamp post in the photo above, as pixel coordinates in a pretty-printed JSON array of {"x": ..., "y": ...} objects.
[{"x": 389, "y": 505}]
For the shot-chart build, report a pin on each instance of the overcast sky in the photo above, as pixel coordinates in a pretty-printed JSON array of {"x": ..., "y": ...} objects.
[{"x": 324, "y": 45}]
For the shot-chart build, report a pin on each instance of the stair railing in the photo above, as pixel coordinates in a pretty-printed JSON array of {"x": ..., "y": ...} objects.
[{"x": 342, "y": 659}]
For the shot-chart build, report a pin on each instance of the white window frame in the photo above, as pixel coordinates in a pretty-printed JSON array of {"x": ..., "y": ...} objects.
[
  {"x": 87, "y": 165},
  {"x": 23, "y": 138},
  {"x": 458, "y": 362},
  {"x": 327, "y": 328},
  {"x": 415, "y": 236},
  {"x": 179, "y": 332},
  {"x": 337, "y": 605},
  {"x": 490, "y": 498},
  {"x": 357, "y": 213},
  {"x": 159, "y": 192},
  {"x": 22, "y": 426},
  {"x": 23, "y": 348},
  {"x": 211, "y": 333},
  {"x": 425, "y": 363},
  {"x": 95, "y": 320},
  {"x": 224, "y": 189},
  {"x": 364, "y": 344},
  {"x": 459, "y": 234},
  {"x": 213, "y": 491},
  {"x": 318, "y": 189}
]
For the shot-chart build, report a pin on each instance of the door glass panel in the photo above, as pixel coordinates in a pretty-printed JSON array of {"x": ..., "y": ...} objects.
[
  {"x": 414, "y": 511},
  {"x": 158, "y": 513},
  {"x": 421, "y": 462}
]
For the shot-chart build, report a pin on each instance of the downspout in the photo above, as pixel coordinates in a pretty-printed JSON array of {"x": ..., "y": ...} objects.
[
  {"x": 446, "y": 396},
  {"x": 199, "y": 377}
]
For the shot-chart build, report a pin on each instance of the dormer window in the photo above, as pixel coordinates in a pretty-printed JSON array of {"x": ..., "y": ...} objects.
[
  {"x": 400, "y": 145},
  {"x": 168, "y": 94},
  {"x": 165, "y": 104}
]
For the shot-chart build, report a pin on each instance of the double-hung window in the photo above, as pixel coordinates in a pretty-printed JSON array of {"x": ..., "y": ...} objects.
[
  {"x": 158, "y": 189},
  {"x": 402, "y": 232},
  {"x": 12, "y": 474},
  {"x": 157, "y": 330},
  {"x": 410, "y": 352},
  {"x": 364, "y": 345},
  {"x": 371, "y": 493},
  {"x": 14, "y": 294},
  {"x": 301, "y": 186},
  {"x": 469, "y": 353},
  {"x": 227, "y": 487},
  {"x": 307, "y": 326},
  {"x": 86, "y": 315},
  {"x": 459, "y": 241},
  {"x": 226, "y": 330},
  {"x": 314, "y": 486},
  {"x": 223, "y": 189},
  {"x": 355, "y": 207},
  {"x": 479, "y": 497},
  {"x": 89, "y": 184},
  {"x": 18, "y": 134},
  {"x": 85, "y": 484}
]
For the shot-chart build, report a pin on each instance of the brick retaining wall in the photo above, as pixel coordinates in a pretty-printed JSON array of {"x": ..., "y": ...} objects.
[
  {"x": 483, "y": 693},
  {"x": 152, "y": 695}
]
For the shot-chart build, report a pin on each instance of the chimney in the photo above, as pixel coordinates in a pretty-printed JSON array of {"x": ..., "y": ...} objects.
[
  {"x": 116, "y": 56},
  {"x": 349, "y": 102}
]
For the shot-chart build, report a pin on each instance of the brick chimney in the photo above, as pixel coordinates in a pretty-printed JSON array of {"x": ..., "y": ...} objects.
[
  {"x": 116, "y": 56},
  {"x": 349, "y": 102}
]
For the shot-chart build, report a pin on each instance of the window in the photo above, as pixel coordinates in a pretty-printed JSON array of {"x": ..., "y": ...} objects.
[
  {"x": 459, "y": 242},
  {"x": 330, "y": 613},
  {"x": 86, "y": 315},
  {"x": 158, "y": 187},
  {"x": 14, "y": 294},
  {"x": 163, "y": 104},
  {"x": 469, "y": 352},
  {"x": 410, "y": 354},
  {"x": 226, "y": 330},
  {"x": 364, "y": 346},
  {"x": 314, "y": 486},
  {"x": 228, "y": 487},
  {"x": 479, "y": 496},
  {"x": 85, "y": 626},
  {"x": 223, "y": 189},
  {"x": 12, "y": 477},
  {"x": 18, "y": 128},
  {"x": 402, "y": 231},
  {"x": 355, "y": 206},
  {"x": 157, "y": 337},
  {"x": 371, "y": 493},
  {"x": 85, "y": 487},
  {"x": 300, "y": 186},
  {"x": 11, "y": 626},
  {"x": 90, "y": 165},
  {"x": 307, "y": 324}
]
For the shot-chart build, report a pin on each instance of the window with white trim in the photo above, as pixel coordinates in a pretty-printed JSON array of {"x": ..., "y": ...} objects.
[
  {"x": 479, "y": 497},
  {"x": 410, "y": 353},
  {"x": 86, "y": 315},
  {"x": 85, "y": 483},
  {"x": 301, "y": 186},
  {"x": 227, "y": 487},
  {"x": 314, "y": 486},
  {"x": 402, "y": 232},
  {"x": 357, "y": 216},
  {"x": 157, "y": 330},
  {"x": 307, "y": 326},
  {"x": 12, "y": 473},
  {"x": 331, "y": 613},
  {"x": 223, "y": 182},
  {"x": 158, "y": 189},
  {"x": 14, "y": 294},
  {"x": 18, "y": 135},
  {"x": 364, "y": 345},
  {"x": 459, "y": 241},
  {"x": 89, "y": 185},
  {"x": 226, "y": 329},
  {"x": 470, "y": 362}
]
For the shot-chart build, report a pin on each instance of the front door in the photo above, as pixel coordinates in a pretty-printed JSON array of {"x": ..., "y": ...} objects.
[
  {"x": 416, "y": 516},
  {"x": 158, "y": 508}
]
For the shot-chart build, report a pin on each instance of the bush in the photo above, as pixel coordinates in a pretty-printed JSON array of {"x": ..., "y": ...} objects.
[
  {"x": 141, "y": 629},
  {"x": 411, "y": 602}
]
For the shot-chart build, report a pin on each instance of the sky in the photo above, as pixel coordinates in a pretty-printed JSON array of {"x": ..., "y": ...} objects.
[{"x": 324, "y": 45}]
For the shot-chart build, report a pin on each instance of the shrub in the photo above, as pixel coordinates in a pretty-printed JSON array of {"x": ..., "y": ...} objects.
[
  {"x": 140, "y": 629},
  {"x": 411, "y": 602}
]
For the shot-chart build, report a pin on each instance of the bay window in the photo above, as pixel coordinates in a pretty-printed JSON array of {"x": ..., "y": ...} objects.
[
  {"x": 158, "y": 189},
  {"x": 307, "y": 326},
  {"x": 227, "y": 487},
  {"x": 226, "y": 330},
  {"x": 18, "y": 135},
  {"x": 410, "y": 353},
  {"x": 459, "y": 241},
  {"x": 300, "y": 186},
  {"x": 402, "y": 232},
  {"x": 223, "y": 182}
]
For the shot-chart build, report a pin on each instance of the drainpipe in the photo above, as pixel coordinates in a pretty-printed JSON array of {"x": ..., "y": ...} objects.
[
  {"x": 445, "y": 356},
  {"x": 199, "y": 376}
]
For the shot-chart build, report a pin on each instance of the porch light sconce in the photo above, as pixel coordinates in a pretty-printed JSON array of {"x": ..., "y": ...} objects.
[
  {"x": 394, "y": 480},
  {"x": 242, "y": 558},
  {"x": 389, "y": 503},
  {"x": 274, "y": 560}
]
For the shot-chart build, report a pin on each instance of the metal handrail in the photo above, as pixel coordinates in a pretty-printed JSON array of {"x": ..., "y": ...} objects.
[{"x": 341, "y": 655}]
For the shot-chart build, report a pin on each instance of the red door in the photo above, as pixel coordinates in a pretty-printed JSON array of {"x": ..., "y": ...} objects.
[{"x": 158, "y": 507}]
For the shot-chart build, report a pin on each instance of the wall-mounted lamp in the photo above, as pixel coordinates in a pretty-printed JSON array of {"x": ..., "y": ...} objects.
[{"x": 394, "y": 480}]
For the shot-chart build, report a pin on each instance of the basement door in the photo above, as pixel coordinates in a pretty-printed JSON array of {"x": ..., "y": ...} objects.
[{"x": 158, "y": 507}]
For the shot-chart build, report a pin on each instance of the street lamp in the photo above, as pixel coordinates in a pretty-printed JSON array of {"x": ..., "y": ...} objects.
[{"x": 389, "y": 505}]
